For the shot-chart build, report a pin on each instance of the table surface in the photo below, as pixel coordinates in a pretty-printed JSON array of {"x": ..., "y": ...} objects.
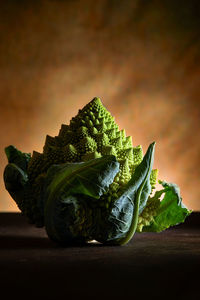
[{"x": 159, "y": 266}]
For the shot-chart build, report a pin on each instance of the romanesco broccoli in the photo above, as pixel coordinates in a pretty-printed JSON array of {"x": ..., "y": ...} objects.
[{"x": 91, "y": 139}]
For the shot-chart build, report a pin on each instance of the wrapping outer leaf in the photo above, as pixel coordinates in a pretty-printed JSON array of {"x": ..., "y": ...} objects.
[
  {"x": 17, "y": 157},
  {"x": 122, "y": 220},
  {"x": 17, "y": 183},
  {"x": 69, "y": 188},
  {"x": 15, "y": 175},
  {"x": 15, "y": 180},
  {"x": 171, "y": 211},
  {"x": 91, "y": 178}
]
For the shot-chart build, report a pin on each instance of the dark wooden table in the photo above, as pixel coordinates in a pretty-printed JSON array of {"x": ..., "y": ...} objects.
[{"x": 157, "y": 266}]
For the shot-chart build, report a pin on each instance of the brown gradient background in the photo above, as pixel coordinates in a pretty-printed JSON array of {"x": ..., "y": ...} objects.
[{"x": 142, "y": 58}]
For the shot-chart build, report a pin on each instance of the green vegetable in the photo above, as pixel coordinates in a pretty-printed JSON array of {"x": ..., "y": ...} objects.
[
  {"x": 159, "y": 215},
  {"x": 91, "y": 183},
  {"x": 73, "y": 196}
]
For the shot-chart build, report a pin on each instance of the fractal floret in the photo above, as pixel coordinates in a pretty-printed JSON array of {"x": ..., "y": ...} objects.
[{"x": 91, "y": 183}]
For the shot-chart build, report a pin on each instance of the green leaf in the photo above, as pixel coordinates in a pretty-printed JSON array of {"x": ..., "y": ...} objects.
[
  {"x": 122, "y": 221},
  {"x": 17, "y": 157},
  {"x": 170, "y": 211},
  {"x": 15, "y": 180},
  {"x": 70, "y": 187}
]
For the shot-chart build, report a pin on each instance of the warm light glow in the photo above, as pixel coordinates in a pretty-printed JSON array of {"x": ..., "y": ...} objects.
[{"x": 136, "y": 57}]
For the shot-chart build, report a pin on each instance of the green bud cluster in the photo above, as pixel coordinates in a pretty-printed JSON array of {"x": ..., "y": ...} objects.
[
  {"x": 147, "y": 215},
  {"x": 92, "y": 133}
]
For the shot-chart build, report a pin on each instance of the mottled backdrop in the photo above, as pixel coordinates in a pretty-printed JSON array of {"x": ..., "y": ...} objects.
[{"x": 142, "y": 58}]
